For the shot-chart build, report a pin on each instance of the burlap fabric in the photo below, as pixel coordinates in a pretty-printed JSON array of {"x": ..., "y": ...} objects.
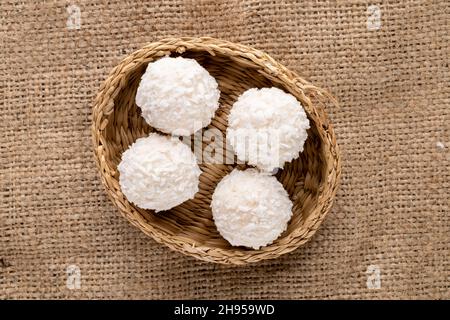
[{"x": 391, "y": 216}]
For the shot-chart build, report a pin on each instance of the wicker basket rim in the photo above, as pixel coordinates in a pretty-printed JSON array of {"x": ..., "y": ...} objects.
[{"x": 302, "y": 89}]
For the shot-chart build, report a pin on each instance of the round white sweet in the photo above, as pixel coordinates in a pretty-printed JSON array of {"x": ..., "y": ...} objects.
[
  {"x": 250, "y": 208},
  {"x": 267, "y": 127},
  {"x": 158, "y": 172},
  {"x": 177, "y": 96}
]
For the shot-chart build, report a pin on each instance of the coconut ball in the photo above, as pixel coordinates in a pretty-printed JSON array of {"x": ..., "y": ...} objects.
[
  {"x": 158, "y": 172},
  {"x": 250, "y": 208},
  {"x": 177, "y": 95},
  {"x": 267, "y": 127}
]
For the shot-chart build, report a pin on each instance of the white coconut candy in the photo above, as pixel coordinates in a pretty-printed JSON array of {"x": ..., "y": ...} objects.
[
  {"x": 158, "y": 172},
  {"x": 177, "y": 95},
  {"x": 267, "y": 127},
  {"x": 250, "y": 208}
]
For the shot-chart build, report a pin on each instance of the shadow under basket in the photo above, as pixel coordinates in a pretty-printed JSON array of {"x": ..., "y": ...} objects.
[{"x": 311, "y": 180}]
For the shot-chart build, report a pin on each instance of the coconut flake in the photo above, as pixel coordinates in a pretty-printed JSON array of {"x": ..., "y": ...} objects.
[
  {"x": 177, "y": 95},
  {"x": 267, "y": 127},
  {"x": 158, "y": 172},
  {"x": 250, "y": 208}
]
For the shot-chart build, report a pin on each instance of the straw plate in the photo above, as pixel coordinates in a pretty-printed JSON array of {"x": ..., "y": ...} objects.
[{"x": 311, "y": 180}]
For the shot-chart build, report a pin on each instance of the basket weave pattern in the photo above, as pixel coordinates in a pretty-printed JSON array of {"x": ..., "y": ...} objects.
[{"x": 311, "y": 180}]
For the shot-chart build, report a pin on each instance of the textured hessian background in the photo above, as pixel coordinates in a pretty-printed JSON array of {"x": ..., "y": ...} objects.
[{"x": 392, "y": 210}]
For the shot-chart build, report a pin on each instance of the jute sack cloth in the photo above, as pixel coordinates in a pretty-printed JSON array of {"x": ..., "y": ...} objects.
[{"x": 388, "y": 233}]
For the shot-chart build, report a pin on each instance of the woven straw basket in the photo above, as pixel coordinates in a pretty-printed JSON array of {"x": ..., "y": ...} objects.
[{"x": 311, "y": 180}]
